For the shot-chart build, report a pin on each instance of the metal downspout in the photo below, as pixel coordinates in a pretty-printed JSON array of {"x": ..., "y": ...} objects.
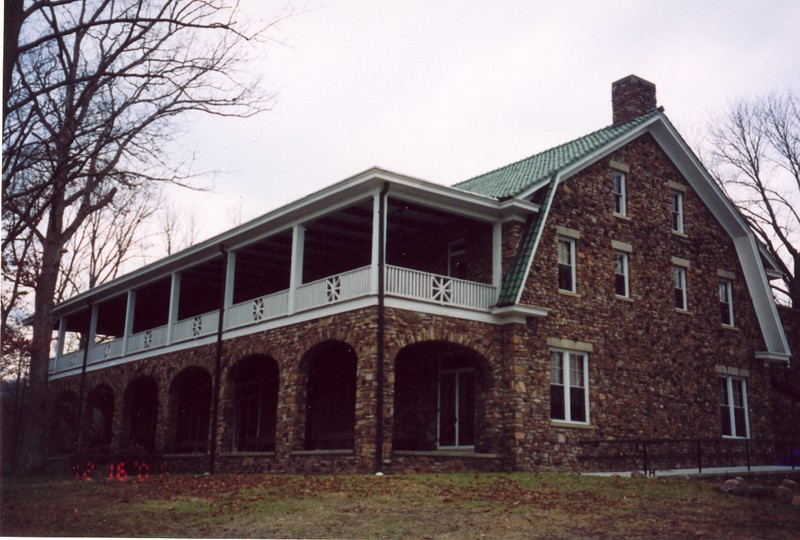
[
  {"x": 212, "y": 452},
  {"x": 381, "y": 328}
]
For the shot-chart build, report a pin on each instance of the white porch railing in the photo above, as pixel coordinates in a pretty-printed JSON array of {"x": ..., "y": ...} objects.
[
  {"x": 258, "y": 309},
  {"x": 439, "y": 289},
  {"x": 105, "y": 351},
  {"x": 334, "y": 289},
  {"x": 155, "y": 337},
  {"x": 400, "y": 282},
  {"x": 195, "y": 327}
]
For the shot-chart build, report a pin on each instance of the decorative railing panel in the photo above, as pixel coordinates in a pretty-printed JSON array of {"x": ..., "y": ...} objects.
[
  {"x": 258, "y": 309},
  {"x": 439, "y": 289},
  {"x": 105, "y": 351},
  {"x": 195, "y": 327},
  {"x": 334, "y": 289},
  {"x": 149, "y": 339}
]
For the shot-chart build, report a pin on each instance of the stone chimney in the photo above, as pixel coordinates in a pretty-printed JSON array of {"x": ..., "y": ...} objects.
[{"x": 631, "y": 96}]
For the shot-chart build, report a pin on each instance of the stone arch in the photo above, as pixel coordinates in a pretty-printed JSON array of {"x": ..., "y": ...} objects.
[
  {"x": 189, "y": 411},
  {"x": 329, "y": 370},
  {"x": 251, "y": 410},
  {"x": 64, "y": 423},
  {"x": 140, "y": 413},
  {"x": 99, "y": 417},
  {"x": 440, "y": 395}
]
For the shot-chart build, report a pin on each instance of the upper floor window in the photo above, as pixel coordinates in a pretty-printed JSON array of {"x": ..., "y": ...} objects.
[
  {"x": 679, "y": 279},
  {"x": 621, "y": 281},
  {"x": 726, "y": 302},
  {"x": 618, "y": 193},
  {"x": 733, "y": 407},
  {"x": 677, "y": 211},
  {"x": 569, "y": 386},
  {"x": 457, "y": 259},
  {"x": 566, "y": 264}
]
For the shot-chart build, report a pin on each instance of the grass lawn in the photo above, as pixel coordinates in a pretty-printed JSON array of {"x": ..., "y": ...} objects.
[{"x": 401, "y": 506}]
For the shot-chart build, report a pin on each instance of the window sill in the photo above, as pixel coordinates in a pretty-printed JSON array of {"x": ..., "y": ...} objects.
[
  {"x": 563, "y": 424},
  {"x": 679, "y": 234},
  {"x": 623, "y": 217},
  {"x": 729, "y": 327},
  {"x": 342, "y": 452},
  {"x": 569, "y": 293},
  {"x": 735, "y": 438},
  {"x": 444, "y": 454},
  {"x": 623, "y": 298},
  {"x": 684, "y": 311}
]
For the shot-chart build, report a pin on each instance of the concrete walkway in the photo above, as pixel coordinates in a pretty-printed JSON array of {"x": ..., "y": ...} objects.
[{"x": 710, "y": 471}]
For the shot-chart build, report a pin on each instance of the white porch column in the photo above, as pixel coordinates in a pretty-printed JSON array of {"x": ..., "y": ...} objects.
[
  {"x": 376, "y": 227},
  {"x": 129, "y": 311},
  {"x": 296, "y": 276},
  {"x": 62, "y": 333},
  {"x": 174, "y": 302},
  {"x": 230, "y": 280},
  {"x": 92, "y": 328},
  {"x": 497, "y": 255}
]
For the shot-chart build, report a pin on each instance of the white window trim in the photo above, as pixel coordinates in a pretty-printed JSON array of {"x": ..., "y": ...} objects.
[
  {"x": 623, "y": 194},
  {"x": 729, "y": 389},
  {"x": 453, "y": 250},
  {"x": 729, "y": 301},
  {"x": 573, "y": 261},
  {"x": 682, "y": 271},
  {"x": 625, "y": 273},
  {"x": 565, "y": 357},
  {"x": 457, "y": 372},
  {"x": 679, "y": 212}
]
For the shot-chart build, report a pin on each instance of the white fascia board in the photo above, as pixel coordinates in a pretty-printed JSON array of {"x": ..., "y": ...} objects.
[{"x": 336, "y": 196}]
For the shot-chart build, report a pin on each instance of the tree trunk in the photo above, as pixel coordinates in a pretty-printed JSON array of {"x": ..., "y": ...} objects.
[{"x": 35, "y": 414}]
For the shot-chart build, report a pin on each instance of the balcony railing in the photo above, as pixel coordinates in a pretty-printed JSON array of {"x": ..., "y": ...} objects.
[
  {"x": 439, "y": 289},
  {"x": 400, "y": 282}
]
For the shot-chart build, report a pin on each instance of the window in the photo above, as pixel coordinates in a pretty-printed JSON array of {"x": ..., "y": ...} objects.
[
  {"x": 456, "y": 407},
  {"x": 569, "y": 386},
  {"x": 733, "y": 407},
  {"x": 457, "y": 259},
  {"x": 725, "y": 302},
  {"x": 677, "y": 211},
  {"x": 618, "y": 192},
  {"x": 679, "y": 277},
  {"x": 566, "y": 264},
  {"x": 621, "y": 287}
]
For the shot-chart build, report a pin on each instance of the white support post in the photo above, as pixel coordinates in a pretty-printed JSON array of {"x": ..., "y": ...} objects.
[
  {"x": 92, "y": 328},
  {"x": 376, "y": 227},
  {"x": 497, "y": 255},
  {"x": 174, "y": 303},
  {"x": 62, "y": 333},
  {"x": 296, "y": 276},
  {"x": 129, "y": 312},
  {"x": 230, "y": 279}
]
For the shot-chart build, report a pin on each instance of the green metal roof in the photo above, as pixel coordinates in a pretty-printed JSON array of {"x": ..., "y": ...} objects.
[
  {"x": 514, "y": 279},
  {"x": 513, "y": 179}
]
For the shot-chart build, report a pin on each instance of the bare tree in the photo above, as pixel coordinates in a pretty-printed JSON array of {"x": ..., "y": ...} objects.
[
  {"x": 93, "y": 92},
  {"x": 754, "y": 153},
  {"x": 176, "y": 230}
]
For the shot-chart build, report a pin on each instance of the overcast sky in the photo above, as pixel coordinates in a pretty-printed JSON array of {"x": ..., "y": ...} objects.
[{"x": 446, "y": 90}]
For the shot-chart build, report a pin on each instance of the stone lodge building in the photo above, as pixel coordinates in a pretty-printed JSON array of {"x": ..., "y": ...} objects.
[{"x": 604, "y": 289}]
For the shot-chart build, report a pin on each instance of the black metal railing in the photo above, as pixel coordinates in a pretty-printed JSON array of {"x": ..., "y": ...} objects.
[{"x": 650, "y": 455}]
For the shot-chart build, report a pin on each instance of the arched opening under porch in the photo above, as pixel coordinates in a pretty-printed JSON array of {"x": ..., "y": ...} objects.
[
  {"x": 141, "y": 413},
  {"x": 190, "y": 410},
  {"x": 100, "y": 417},
  {"x": 440, "y": 398},
  {"x": 253, "y": 407},
  {"x": 330, "y": 399}
]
